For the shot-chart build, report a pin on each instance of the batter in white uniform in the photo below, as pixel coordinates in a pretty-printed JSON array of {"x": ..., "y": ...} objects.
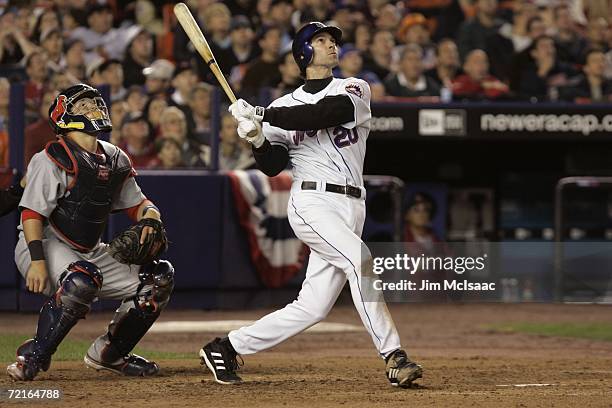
[{"x": 322, "y": 129}]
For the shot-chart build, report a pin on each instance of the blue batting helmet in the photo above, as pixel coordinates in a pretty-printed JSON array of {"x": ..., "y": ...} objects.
[{"x": 302, "y": 50}]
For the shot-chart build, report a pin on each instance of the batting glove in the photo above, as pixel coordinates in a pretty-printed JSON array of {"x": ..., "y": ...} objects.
[
  {"x": 241, "y": 109},
  {"x": 250, "y": 130}
]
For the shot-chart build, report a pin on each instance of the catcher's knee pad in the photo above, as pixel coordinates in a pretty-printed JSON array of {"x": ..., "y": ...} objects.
[
  {"x": 71, "y": 302},
  {"x": 80, "y": 287},
  {"x": 160, "y": 274}
]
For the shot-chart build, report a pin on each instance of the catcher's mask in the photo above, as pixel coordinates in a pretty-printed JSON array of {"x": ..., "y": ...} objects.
[{"x": 81, "y": 108}]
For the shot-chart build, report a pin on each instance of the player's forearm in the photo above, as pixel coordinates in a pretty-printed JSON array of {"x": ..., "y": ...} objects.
[
  {"x": 271, "y": 159},
  {"x": 328, "y": 112},
  {"x": 32, "y": 229}
]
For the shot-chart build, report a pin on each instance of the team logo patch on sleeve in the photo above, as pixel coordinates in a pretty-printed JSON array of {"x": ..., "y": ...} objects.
[{"x": 354, "y": 88}]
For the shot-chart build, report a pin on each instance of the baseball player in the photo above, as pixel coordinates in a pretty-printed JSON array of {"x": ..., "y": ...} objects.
[
  {"x": 72, "y": 187},
  {"x": 321, "y": 129}
]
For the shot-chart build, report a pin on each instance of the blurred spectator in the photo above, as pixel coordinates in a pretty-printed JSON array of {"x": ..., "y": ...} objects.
[
  {"x": 136, "y": 99},
  {"x": 597, "y": 35},
  {"x": 5, "y": 88},
  {"x": 280, "y": 16},
  {"x": 242, "y": 49},
  {"x": 48, "y": 19},
  {"x": 168, "y": 154},
  {"x": 111, "y": 73},
  {"x": 173, "y": 124},
  {"x": 590, "y": 86},
  {"x": 363, "y": 37},
  {"x": 14, "y": 43},
  {"x": 263, "y": 71},
  {"x": 74, "y": 59},
  {"x": 410, "y": 81},
  {"x": 567, "y": 40},
  {"x": 198, "y": 119},
  {"x": 351, "y": 64},
  {"x": 474, "y": 32},
  {"x": 100, "y": 38},
  {"x": 477, "y": 83},
  {"x": 413, "y": 30},
  {"x": 136, "y": 140},
  {"x": 62, "y": 80},
  {"x": 217, "y": 19},
  {"x": 417, "y": 221},
  {"x": 291, "y": 77},
  {"x": 39, "y": 133},
  {"x": 158, "y": 76},
  {"x": 93, "y": 74},
  {"x": 379, "y": 60},
  {"x": 153, "y": 110},
  {"x": 543, "y": 73},
  {"x": 138, "y": 55},
  {"x": 233, "y": 154},
  {"x": 36, "y": 70},
  {"x": 317, "y": 10},
  {"x": 118, "y": 110},
  {"x": 388, "y": 18},
  {"x": 52, "y": 45},
  {"x": 183, "y": 82},
  {"x": 511, "y": 39},
  {"x": 448, "y": 64},
  {"x": 347, "y": 18},
  {"x": 146, "y": 17}
]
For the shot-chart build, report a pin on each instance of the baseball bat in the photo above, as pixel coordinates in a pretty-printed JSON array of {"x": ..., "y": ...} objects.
[{"x": 185, "y": 18}]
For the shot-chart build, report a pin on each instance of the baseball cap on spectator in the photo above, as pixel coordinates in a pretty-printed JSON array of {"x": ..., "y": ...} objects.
[
  {"x": 132, "y": 117},
  {"x": 410, "y": 21},
  {"x": 93, "y": 67},
  {"x": 48, "y": 32},
  {"x": 159, "y": 69},
  {"x": 240, "y": 21},
  {"x": 346, "y": 49}
]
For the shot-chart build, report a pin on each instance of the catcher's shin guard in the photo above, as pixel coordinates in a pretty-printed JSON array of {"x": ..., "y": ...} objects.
[
  {"x": 58, "y": 315},
  {"x": 131, "y": 322}
]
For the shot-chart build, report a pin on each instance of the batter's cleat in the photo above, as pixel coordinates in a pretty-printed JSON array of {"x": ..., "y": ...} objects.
[
  {"x": 132, "y": 365},
  {"x": 221, "y": 358},
  {"x": 401, "y": 372},
  {"x": 28, "y": 363}
]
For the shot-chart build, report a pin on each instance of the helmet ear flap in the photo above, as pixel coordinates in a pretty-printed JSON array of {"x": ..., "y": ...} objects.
[{"x": 308, "y": 53}]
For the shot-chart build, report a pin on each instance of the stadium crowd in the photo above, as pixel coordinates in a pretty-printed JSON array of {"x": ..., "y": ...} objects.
[{"x": 416, "y": 50}]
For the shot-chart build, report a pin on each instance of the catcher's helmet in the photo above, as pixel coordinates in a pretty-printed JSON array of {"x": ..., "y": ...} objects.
[
  {"x": 302, "y": 50},
  {"x": 81, "y": 108}
]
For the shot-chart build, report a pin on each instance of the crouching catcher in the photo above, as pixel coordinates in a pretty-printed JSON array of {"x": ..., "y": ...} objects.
[{"x": 72, "y": 187}]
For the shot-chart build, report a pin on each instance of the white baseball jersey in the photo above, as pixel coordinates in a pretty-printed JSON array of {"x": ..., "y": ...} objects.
[
  {"x": 335, "y": 154},
  {"x": 329, "y": 223}
]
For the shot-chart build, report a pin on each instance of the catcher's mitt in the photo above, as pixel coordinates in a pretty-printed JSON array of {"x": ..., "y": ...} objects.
[{"x": 126, "y": 247}]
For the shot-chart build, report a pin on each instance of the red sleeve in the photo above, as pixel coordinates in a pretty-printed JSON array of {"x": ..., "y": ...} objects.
[
  {"x": 132, "y": 212},
  {"x": 28, "y": 214}
]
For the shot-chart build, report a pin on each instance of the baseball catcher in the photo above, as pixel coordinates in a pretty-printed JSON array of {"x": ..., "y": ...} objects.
[
  {"x": 72, "y": 187},
  {"x": 321, "y": 129}
]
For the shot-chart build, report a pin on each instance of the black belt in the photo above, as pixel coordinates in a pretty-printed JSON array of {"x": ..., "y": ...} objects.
[{"x": 334, "y": 188}]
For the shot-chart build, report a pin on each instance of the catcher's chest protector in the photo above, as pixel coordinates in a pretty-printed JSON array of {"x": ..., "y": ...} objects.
[{"x": 82, "y": 213}]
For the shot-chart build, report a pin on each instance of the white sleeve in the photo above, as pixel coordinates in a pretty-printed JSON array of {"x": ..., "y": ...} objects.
[
  {"x": 130, "y": 195},
  {"x": 46, "y": 184},
  {"x": 276, "y": 135},
  {"x": 358, "y": 91}
]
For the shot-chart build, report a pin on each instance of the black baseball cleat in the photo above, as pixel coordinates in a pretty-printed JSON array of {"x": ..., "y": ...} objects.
[
  {"x": 401, "y": 372},
  {"x": 221, "y": 358},
  {"x": 132, "y": 365}
]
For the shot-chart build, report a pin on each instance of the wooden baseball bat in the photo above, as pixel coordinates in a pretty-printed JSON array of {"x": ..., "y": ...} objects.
[{"x": 185, "y": 18}]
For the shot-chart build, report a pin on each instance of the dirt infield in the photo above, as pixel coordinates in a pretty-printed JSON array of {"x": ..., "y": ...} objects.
[{"x": 466, "y": 364}]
